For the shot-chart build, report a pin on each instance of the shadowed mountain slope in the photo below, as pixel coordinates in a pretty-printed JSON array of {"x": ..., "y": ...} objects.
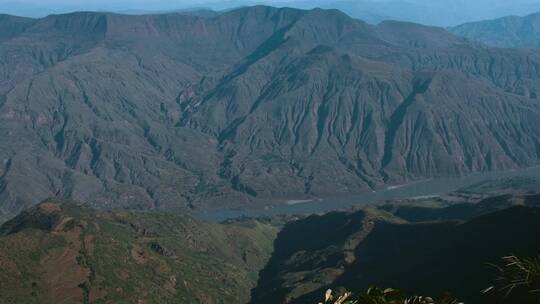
[
  {"x": 461, "y": 211},
  {"x": 177, "y": 112},
  {"x": 428, "y": 254}
]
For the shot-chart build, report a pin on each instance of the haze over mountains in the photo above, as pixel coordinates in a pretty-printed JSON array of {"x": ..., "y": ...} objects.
[
  {"x": 177, "y": 112},
  {"x": 510, "y": 32},
  {"x": 433, "y": 12}
]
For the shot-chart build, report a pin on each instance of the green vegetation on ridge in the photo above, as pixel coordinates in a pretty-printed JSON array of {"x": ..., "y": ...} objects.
[{"x": 62, "y": 253}]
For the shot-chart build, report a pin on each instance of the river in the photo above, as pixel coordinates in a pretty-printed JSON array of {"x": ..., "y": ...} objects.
[{"x": 422, "y": 188}]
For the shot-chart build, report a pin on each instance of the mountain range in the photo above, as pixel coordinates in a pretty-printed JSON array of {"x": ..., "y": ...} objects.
[
  {"x": 432, "y": 12},
  {"x": 177, "y": 112}
]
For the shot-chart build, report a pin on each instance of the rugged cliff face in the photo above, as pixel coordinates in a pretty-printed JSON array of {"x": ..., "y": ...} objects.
[{"x": 179, "y": 112}]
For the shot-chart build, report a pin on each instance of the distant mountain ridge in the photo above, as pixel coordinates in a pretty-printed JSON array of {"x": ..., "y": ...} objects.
[
  {"x": 433, "y": 12},
  {"x": 176, "y": 112},
  {"x": 512, "y": 31}
]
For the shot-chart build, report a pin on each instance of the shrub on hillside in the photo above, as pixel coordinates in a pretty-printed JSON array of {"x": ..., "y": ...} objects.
[
  {"x": 376, "y": 295},
  {"x": 518, "y": 280}
]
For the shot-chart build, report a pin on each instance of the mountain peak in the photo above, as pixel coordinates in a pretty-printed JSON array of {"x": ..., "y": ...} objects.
[{"x": 45, "y": 216}]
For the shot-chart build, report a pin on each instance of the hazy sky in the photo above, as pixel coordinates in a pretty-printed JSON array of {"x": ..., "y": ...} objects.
[
  {"x": 433, "y": 12},
  {"x": 160, "y": 4},
  {"x": 147, "y": 4},
  {"x": 44, "y": 7}
]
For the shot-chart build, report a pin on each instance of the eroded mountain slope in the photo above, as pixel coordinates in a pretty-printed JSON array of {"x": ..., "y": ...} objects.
[{"x": 179, "y": 112}]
